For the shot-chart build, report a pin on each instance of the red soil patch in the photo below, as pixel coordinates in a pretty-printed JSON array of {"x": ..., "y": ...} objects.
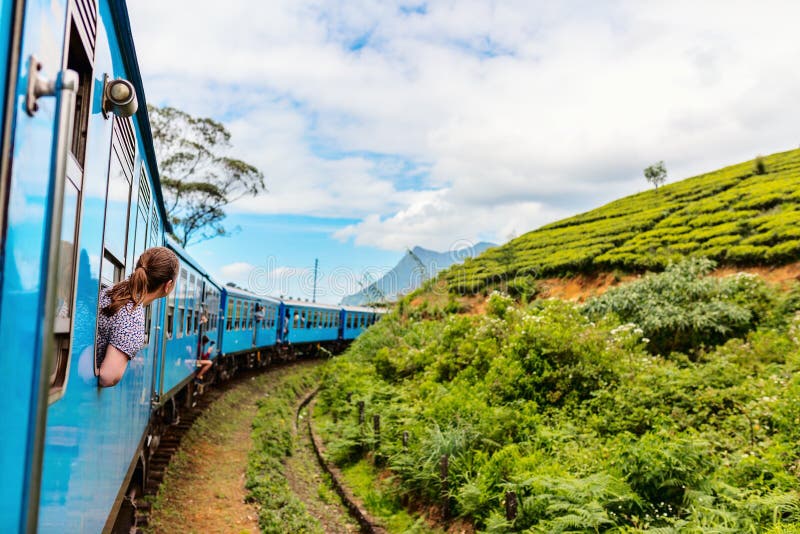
[{"x": 581, "y": 287}]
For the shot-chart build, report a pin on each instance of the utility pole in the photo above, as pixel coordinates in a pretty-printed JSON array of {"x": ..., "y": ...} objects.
[{"x": 316, "y": 266}]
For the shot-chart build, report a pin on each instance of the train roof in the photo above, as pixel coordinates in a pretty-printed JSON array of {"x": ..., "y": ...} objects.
[
  {"x": 362, "y": 309},
  {"x": 294, "y": 302},
  {"x": 122, "y": 25},
  {"x": 244, "y": 293}
]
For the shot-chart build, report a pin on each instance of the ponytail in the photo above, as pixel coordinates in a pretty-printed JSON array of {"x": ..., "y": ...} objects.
[
  {"x": 155, "y": 267},
  {"x": 138, "y": 285}
]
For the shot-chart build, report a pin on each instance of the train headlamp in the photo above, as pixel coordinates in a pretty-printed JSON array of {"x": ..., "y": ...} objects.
[{"x": 119, "y": 97}]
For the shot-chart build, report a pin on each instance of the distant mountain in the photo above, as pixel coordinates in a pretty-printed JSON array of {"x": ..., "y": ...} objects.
[{"x": 415, "y": 267}]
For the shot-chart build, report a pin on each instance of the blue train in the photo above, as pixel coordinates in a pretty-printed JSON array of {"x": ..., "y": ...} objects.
[{"x": 80, "y": 199}]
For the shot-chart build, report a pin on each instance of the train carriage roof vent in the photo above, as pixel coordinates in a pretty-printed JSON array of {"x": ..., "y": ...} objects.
[{"x": 85, "y": 16}]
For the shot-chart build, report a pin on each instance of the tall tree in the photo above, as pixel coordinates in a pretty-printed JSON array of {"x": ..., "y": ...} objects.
[
  {"x": 656, "y": 174},
  {"x": 198, "y": 179}
]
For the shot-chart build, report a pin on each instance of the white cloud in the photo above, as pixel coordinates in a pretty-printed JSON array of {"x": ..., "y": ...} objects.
[
  {"x": 519, "y": 112},
  {"x": 237, "y": 272}
]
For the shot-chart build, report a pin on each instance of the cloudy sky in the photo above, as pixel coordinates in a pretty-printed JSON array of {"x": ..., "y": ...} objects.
[{"x": 381, "y": 125}]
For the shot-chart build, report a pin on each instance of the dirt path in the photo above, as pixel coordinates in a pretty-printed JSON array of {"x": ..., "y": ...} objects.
[{"x": 310, "y": 484}]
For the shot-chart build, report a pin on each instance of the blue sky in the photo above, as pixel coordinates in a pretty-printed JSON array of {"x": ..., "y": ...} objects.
[
  {"x": 381, "y": 125},
  {"x": 275, "y": 254}
]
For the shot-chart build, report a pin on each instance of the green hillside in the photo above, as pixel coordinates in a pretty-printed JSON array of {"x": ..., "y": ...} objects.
[{"x": 734, "y": 215}]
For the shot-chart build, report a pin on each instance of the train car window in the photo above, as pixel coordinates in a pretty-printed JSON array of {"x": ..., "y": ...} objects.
[
  {"x": 170, "y": 313},
  {"x": 182, "y": 287},
  {"x": 229, "y": 316},
  {"x": 214, "y": 311},
  {"x": 198, "y": 310},
  {"x": 118, "y": 198},
  {"x": 239, "y": 313},
  {"x": 250, "y": 322},
  {"x": 191, "y": 304}
]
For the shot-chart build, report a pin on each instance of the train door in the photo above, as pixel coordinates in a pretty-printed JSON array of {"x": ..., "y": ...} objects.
[{"x": 37, "y": 135}]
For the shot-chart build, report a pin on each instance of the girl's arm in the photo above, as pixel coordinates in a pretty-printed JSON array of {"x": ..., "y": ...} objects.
[{"x": 113, "y": 367}]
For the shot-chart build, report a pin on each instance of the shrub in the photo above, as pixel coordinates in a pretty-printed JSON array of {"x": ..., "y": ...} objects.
[
  {"x": 759, "y": 167},
  {"x": 682, "y": 309}
]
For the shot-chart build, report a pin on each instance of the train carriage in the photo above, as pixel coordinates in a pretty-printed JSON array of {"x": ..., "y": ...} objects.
[
  {"x": 305, "y": 322},
  {"x": 248, "y": 335},
  {"x": 356, "y": 319},
  {"x": 195, "y": 296}
]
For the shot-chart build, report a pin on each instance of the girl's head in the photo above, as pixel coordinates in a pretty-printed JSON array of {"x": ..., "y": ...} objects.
[{"x": 153, "y": 278}]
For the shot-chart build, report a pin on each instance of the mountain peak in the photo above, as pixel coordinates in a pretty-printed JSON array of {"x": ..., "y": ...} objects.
[{"x": 416, "y": 266}]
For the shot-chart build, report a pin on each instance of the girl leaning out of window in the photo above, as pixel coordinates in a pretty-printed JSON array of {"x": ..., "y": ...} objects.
[{"x": 120, "y": 323}]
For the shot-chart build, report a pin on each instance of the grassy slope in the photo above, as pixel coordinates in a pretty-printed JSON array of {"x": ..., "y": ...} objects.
[{"x": 731, "y": 215}]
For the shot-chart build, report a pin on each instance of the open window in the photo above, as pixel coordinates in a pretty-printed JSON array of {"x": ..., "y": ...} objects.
[
  {"x": 182, "y": 288},
  {"x": 141, "y": 234},
  {"x": 191, "y": 304},
  {"x": 118, "y": 203},
  {"x": 79, "y": 56}
]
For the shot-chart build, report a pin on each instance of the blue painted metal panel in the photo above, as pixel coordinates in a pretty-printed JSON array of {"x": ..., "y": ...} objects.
[
  {"x": 266, "y": 335},
  {"x": 180, "y": 354},
  {"x": 92, "y": 433},
  {"x": 355, "y": 323},
  {"x": 301, "y": 327},
  {"x": 237, "y": 340},
  {"x": 23, "y": 262},
  {"x": 6, "y": 13}
]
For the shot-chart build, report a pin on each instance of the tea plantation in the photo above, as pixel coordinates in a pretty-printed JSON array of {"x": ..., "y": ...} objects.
[
  {"x": 670, "y": 404},
  {"x": 746, "y": 214}
]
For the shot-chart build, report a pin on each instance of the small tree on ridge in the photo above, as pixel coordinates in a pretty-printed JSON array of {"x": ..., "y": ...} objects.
[{"x": 656, "y": 174}]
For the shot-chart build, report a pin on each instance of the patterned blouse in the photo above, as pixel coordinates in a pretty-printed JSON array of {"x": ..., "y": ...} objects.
[{"x": 124, "y": 329}]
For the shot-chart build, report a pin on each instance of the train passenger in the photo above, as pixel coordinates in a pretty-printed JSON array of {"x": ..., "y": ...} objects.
[
  {"x": 205, "y": 362},
  {"x": 120, "y": 323}
]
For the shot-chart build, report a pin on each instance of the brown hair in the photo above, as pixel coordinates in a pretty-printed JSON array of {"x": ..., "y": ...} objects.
[{"x": 155, "y": 267}]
